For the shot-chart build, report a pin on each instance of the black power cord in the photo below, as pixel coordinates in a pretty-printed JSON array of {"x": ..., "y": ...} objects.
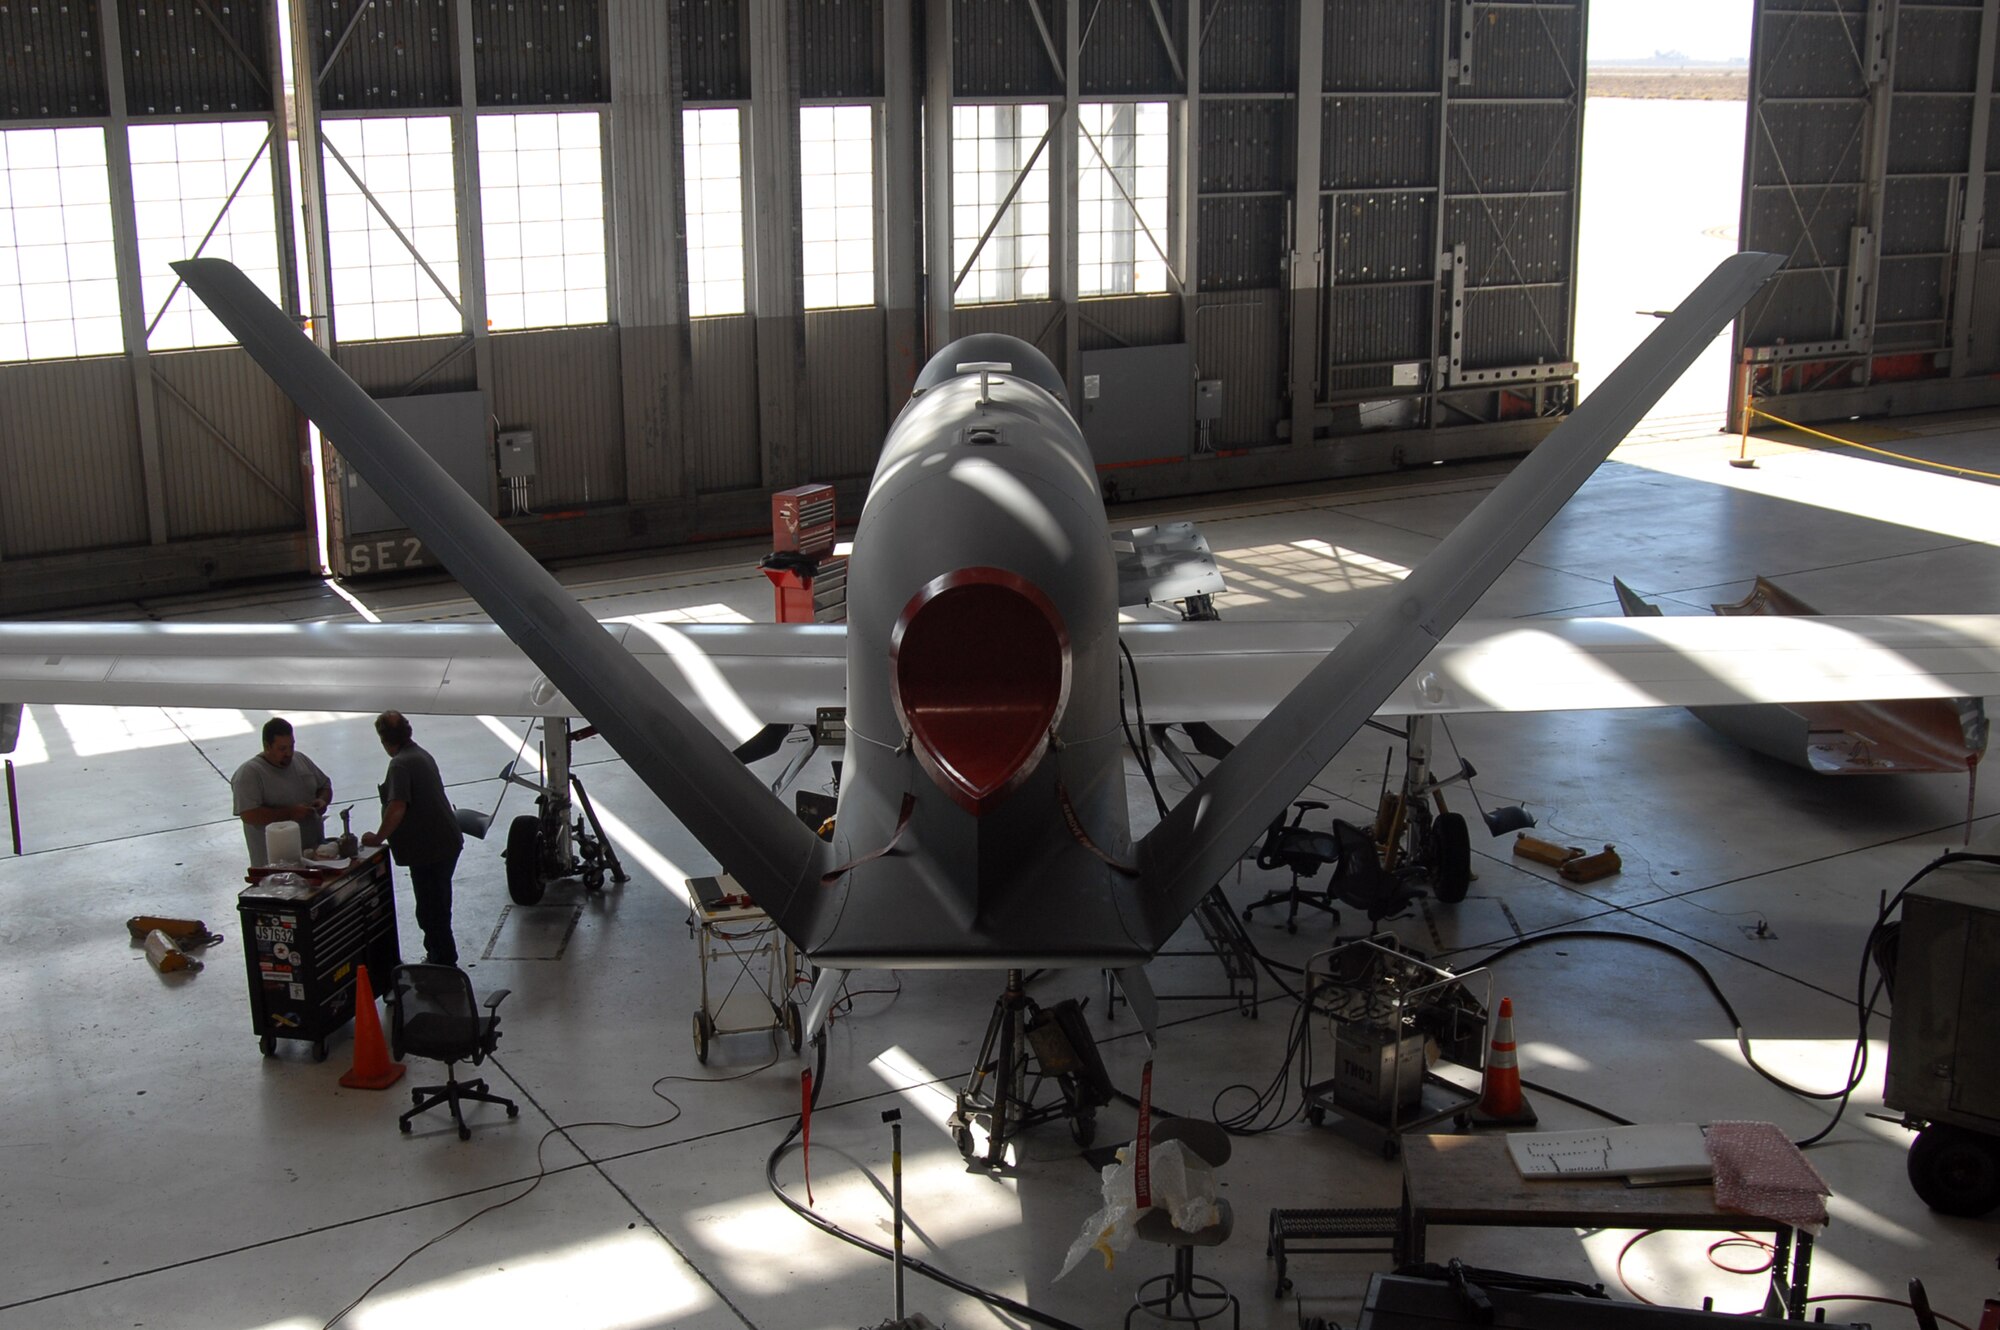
[{"x": 827, "y": 1226}]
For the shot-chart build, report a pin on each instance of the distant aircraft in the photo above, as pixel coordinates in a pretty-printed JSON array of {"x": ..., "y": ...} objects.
[
  {"x": 1841, "y": 738},
  {"x": 982, "y": 817}
]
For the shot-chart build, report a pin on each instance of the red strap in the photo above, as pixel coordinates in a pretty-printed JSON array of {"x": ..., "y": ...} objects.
[
  {"x": 1075, "y": 824},
  {"x": 1142, "y": 1158},
  {"x": 806, "y": 1128},
  {"x": 834, "y": 875}
]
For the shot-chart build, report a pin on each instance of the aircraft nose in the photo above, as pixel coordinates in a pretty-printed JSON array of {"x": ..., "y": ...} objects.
[{"x": 981, "y": 667}]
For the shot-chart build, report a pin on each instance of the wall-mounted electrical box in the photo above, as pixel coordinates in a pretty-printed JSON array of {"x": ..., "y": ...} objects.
[{"x": 517, "y": 454}]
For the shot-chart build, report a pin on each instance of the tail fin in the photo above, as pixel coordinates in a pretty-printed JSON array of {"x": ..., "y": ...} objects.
[
  {"x": 720, "y": 801},
  {"x": 1207, "y": 831}
]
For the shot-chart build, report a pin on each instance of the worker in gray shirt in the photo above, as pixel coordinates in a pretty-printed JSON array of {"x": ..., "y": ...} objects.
[
  {"x": 421, "y": 830},
  {"x": 280, "y": 784}
]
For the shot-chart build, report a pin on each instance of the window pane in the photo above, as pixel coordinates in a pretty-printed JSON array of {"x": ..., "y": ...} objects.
[
  {"x": 57, "y": 293},
  {"x": 712, "y": 164},
  {"x": 1121, "y": 186},
  {"x": 837, "y": 184},
  {"x": 990, "y": 146},
  {"x": 379, "y": 288},
  {"x": 541, "y": 191},
  {"x": 206, "y": 193}
]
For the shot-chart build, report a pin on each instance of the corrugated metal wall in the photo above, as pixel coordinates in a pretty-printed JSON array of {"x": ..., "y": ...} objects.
[
  {"x": 69, "y": 458},
  {"x": 997, "y": 50},
  {"x": 211, "y": 490},
  {"x": 564, "y": 385},
  {"x": 538, "y": 52},
  {"x": 173, "y": 67},
  {"x": 1123, "y": 52},
  {"x": 54, "y": 63},
  {"x": 1128, "y": 321},
  {"x": 1240, "y": 339},
  {"x": 400, "y": 368},
  {"x": 1873, "y": 166},
  {"x": 721, "y": 446},
  {"x": 390, "y": 53},
  {"x": 846, "y": 411},
  {"x": 839, "y": 49}
]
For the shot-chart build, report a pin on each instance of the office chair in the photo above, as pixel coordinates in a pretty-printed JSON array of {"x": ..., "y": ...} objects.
[
  {"x": 1199, "y": 1296},
  {"x": 432, "y": 1014},
  {"x": 1290, "y": 845}
]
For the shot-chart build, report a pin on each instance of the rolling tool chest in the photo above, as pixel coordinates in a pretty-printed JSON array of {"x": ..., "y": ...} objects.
[{"x": 304, "y": 933}]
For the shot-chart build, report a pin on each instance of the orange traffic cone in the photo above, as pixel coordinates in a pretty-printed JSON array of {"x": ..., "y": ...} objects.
[
  {"x": 372, "y": 1069},
  {"x": 1501, "y": 1103}
]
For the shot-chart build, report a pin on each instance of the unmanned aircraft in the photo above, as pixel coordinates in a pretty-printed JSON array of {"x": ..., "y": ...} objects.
[{"x": 982, "y": 817}]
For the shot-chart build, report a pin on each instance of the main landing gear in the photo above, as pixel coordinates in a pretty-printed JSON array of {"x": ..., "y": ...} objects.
[{"x": 545, "y": 846}]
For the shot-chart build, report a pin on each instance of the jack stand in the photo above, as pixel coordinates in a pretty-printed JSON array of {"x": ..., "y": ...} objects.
[{"x": 1025, "y": 1046}]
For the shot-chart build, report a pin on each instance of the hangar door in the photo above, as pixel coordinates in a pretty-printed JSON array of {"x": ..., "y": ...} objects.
[
  {"x": 1450, "y": 144},
  {"x": 1868, "y": 165}
]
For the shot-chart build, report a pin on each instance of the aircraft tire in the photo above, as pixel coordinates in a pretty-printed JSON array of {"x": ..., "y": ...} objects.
[
  {"x": 524, "y": 860},
  {"x": 1451, "y": 858},
  {"x": 1955, "y": 1171}
]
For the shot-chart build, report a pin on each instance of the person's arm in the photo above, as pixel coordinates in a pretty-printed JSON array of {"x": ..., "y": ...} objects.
[{"x": 392, "y": 817}]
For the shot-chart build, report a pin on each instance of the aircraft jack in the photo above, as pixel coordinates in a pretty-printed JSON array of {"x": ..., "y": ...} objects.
[
  {"x": 544, "y": 846},
  {"x": 1025, "y": 1047}
]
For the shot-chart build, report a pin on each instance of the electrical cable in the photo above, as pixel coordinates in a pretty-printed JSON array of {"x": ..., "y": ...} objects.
[
  {"x": 1140, "y": 748},
  {"x": 541, "y": 1173},
  {"x": 916, "y": 1264},
  {"x": 1770, "y": 1250},
  {"x": 1864, "y": 998}
]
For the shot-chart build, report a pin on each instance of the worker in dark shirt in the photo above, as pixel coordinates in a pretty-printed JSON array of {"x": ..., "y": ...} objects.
[{"x": 421, "y": 830}]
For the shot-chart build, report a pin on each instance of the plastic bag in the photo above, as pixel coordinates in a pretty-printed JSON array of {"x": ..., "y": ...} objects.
[{"x": 1183, "y": 1186}]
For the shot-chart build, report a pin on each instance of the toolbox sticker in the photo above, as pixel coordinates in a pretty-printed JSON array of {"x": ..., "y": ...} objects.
[{"x": 299, "y": 992}]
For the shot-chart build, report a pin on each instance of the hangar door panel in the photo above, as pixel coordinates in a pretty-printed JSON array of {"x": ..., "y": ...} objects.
[
  {"x": 1867, "y": 166},
  {"x": 1450, "y": 138}
]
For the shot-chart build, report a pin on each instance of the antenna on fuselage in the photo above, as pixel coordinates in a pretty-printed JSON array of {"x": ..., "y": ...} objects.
[{"x": 986, "y": 369}]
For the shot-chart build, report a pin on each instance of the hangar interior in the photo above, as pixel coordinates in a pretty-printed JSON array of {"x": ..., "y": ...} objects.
[{"x": 633, "y": 267}]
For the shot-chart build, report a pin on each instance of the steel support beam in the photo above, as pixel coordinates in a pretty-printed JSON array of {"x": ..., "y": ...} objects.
[
  {"x": 1303, "y": 264},
  {"x": 131, "y": 290},
  {"x": 1972, "y": 223},
  {"x": 1184, "y": 200},
  {"x": 316, "y": 300},
  {"x": 898, "y": 167},
  {"x": 939, "y": 90},
  {"x": 471, "y": 221},
  {"x": 1063, "y": 148},
  {"x": 772, "y": 173},
  {"x": 648, "y": 281}
]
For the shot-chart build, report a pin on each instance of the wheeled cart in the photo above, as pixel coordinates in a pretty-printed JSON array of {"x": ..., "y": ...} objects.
[
  {"x": 755, "y": 966},
  {"x": 304, "y": 933},
  {"x": 1391, "y": 1017}
]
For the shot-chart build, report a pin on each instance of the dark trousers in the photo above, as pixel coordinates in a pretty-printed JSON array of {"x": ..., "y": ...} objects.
[{"x": 431, "y": 885}]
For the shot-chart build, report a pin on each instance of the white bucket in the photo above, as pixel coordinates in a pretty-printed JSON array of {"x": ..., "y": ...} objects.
[{"x": 281, "y": 843}]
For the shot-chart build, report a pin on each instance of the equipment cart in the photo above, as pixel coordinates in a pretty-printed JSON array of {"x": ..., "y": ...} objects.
[
  {"x": 305, "y": 930},
  {"x": 1389, "y": 1018},
  {"x": 756, "y": 967}
]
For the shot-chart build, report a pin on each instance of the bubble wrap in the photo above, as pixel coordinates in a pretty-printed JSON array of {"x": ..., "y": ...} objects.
[{"x": 1760, "y": 1172}]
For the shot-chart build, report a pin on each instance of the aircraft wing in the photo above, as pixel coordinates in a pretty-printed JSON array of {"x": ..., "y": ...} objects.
[
  {"x": 737, "y": 678},
  {"x": 734, "y": 678},
  {"x": 1239, "y": 671}
]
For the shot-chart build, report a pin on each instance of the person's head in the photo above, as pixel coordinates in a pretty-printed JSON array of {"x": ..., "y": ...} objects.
[
  {"x": 278, "y": 741},
  {"x": 393, "y": 729}
]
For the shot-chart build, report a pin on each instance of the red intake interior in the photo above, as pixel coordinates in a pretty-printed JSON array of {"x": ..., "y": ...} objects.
[{"x": 981, "y": 671}]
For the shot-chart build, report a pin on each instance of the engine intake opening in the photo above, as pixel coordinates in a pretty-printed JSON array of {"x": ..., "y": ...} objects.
[{"x": 981, "y": 665}]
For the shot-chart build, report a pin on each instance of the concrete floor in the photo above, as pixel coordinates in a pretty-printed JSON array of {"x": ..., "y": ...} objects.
[{"x": 159, "y": 1172}]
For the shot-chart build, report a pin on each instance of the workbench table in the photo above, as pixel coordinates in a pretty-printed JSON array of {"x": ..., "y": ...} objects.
[{"x": 1471, "y": 1180}]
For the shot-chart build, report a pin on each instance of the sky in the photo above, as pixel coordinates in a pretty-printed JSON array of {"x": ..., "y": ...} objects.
[{"x": 1699, "y": 29}]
